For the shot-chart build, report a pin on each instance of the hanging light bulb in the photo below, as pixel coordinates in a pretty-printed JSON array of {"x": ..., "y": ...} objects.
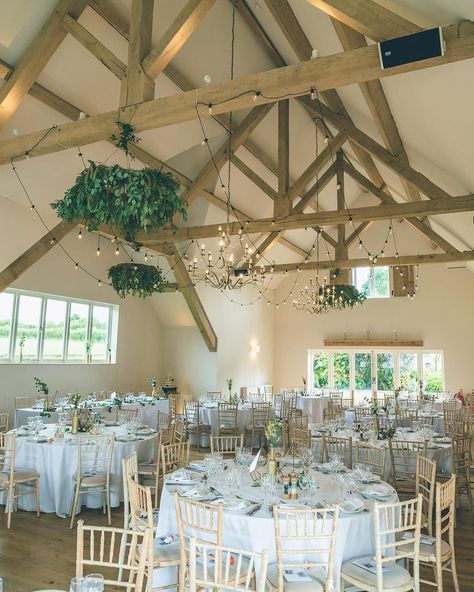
[{"x": 79, "y": 236}]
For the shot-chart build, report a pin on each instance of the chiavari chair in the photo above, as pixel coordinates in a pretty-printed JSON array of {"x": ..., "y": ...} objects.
[
  {"x": 203, "y": 576},
  {"x": 425, "y": 486},
  {"x": 14, "y": 479},
  {"x": 372, "y": 457},
  {"x": 179, "y": 426},
  {"x": 461, "y": 466},
  {"x": 141, "y": 518},
  {"x": 151, "y": 469},
  {"x": 227, "y": 418},
  {"x": 453, "y": 422},
  {"x": 340, "y": 446},
  {"x": 305, "y": 540},
  {"x": 391, "y": 522},
  {"x": 129, "y": 470},
  {"x": 260, "y": 418},
  {"x": 405, "y": 417},
  {"x": 94, "y": 460},
  {"x": 362, "y": 413},
  {"x": 163, "y": 420},
  {"x": 195, "y": 428},
  {"x": 22, "y": 402},
  {"x": 227, "y": 445},
  {"x": 120, "y": 554},
  {"x": 403, "y": 459},
  {"x": 333, "y": 411},
  {"x": 125, "y": 415},
  {"x": 214, "y": 395},
  {"x": 173, "y": 457},
  {"x": 4, "y": 417}
]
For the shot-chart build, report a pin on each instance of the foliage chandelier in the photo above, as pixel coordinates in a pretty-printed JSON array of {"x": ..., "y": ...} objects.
[
  {"x": 235, "y": 263},
  {"x": 137, "y": 279}
]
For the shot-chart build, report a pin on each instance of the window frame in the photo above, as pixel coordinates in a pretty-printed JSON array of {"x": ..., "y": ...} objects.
[
  {"x": 396, "y": 351},
  {"x": 112, "y": 329},
  {"x": 372, "y": 293}
]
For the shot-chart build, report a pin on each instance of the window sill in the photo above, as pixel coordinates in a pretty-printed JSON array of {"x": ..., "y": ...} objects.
[{"x": 55, "y": 363}]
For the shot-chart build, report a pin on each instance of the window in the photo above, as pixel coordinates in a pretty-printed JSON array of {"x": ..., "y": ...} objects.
[
  {"x": 363, "y": 370},
  {"x": 374, "y": 282},
  {"x": 42, "y": 328}
]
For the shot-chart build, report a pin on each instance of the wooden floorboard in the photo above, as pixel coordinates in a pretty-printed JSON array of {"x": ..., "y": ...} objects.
[{"x": 39, "y": 553}]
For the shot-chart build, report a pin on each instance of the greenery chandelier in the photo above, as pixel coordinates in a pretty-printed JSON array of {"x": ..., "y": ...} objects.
[
  {"x": 136, "y": 279},
  {"x": 320, "y": 298}
]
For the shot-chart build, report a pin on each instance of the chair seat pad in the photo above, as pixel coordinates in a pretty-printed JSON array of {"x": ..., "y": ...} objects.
[
  {"x": 225, "y": 429},
  {"x": 428, "y": 552},
  {"x": 20, "y": 475},
  {"x": 251, "y": 427},
  {"x": 165, "y": 554},
  {"x": 203, "y": 427},
  {"x": 397, "y": 577},
  {"x": 92, "y": 480},
  {"x": 316, "y": 585},
  {"x": 244, "y": 566}
]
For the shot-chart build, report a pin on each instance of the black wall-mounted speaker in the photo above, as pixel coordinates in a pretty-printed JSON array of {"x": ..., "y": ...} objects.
[{"x": 411, "y": 48}]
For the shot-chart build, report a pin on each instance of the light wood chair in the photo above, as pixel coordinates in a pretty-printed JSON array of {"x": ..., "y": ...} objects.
[
  {"x": 203, "y": 576},
  {"x": 340, "y": 446},
  {"x": 362, "y": 414},
  {"x": 172, "y": 407},
  {"x": 318, "y": 445},
  {"x": 403, "y": 459},
  {"x": 227, "y": 419},
  {"x": 15, "y": 481},
  {"x": 108, "y": 414},
  {"x": 305, "y": 540},
  {"x": 372, "y": 457},
  {"x": 23, "y": 402},
  {"x": 227, "y": 445},
  {"x": 441, "y": 555},
  {"x": 461, "y": 461},
  {"x": 336, "y": 396},
  {"x": 174, "y": 456},
  {"x": 151, "y": 469},
  {"x": 391, "y": 522},
  {"x": 195, "y": 428},
  {"x": 300, "y": 438},
  {"x": 333, "y": 411},
  {"x": 4, "y": 417},
  {"x": 260, "y": 418},
  {"x": 179, "y": 426},
  {"x": 125, "y": 415},
  {"x": 94, "y": 460},
  {"x": 214, "y": 395},
  {"x": 141, "y": 518},
  {"x": 115, "y": 552},
  {"x": 453, "y": 422},
  {"x": 163, "y": 420},
  {"x": 129, "y": 470},
  {"x": 255, "y": 397},
  {"x": 425, "y": 486},
  {"x": 268, "y": 392},
  {"x": 405, "y": 417}
]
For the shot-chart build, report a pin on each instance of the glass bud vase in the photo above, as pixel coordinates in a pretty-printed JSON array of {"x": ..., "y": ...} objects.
[{"x": 271, "y": 462}]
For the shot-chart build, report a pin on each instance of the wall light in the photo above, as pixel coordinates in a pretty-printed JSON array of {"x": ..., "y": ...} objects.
[{"x": 254, "y": 349}]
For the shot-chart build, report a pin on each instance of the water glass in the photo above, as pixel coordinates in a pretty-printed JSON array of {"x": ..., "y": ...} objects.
[
  {"x": 94, "y": 583},
  {"x": 77, "y": 585}
]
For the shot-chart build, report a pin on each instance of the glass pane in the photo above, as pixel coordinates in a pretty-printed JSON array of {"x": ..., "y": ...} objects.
[
  {"x": 321, "y": 370},
  {"x": 29, "y": 315},
  {"x": 363, "y": 371},
  {"x": 54, "y": 327},
  {"x": 362, "y": 279},
  {"x": 341, "y": 371},
  {"x": 433, "y": 372},
  {"x": 6, "y": 313},
  {"x": 385, "y": 374},
  {"x": 408, "y": 372},
  {"x": 78, "y": 331},
  {"x": 381, "y": 282},
  {"x": 100, "y": 332}
]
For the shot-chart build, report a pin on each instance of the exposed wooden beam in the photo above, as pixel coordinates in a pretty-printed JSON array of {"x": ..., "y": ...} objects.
[
  {"x": 94, "y": 46},
  {"x": 36, "y": 57},
  {"x": 136, "y": 86},
  {"x": 463, "y": 203},
  {"x": 239, "y": 135},
  {"x": 348, "y": 67},
  {"x": 193, "y": 301},
  {"x": 367, "y": 17},
  {"x": 33, "y": 254},
  {"x": 55, "y": 102},
  {"x": 418, "y": 224},
  {"x": 176, "y": 36},
  {"x": 256, "y": 179},
  {"x": 317, "y": 187},
  {"x": 296, "y": 37},
  {"x": 357, "y": 232},
  {"x": 109, "y": 13},
  {"x": 311, "y": 170},
  {"x": 282, "y": 205},
  {"x": 341, "y": 251},
  {"x": 381, "y": 262}
]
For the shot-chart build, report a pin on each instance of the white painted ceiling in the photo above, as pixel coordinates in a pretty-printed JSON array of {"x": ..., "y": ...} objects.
[{"x": 432, "y": 108}]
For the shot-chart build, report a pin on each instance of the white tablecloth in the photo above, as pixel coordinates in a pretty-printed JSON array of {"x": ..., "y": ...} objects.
[
  {"x": 209, "y": 414},
  {"x": 147, "y": 412},
  {"x": 355, "y": 535},
  {"x": 313, "y": 406},
  {"x": 57, "y": 463},
  {"x": 438, "y": 419}
]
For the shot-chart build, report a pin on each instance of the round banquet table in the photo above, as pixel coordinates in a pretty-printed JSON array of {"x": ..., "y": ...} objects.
[
  {"x": 208, "y": 413},
  {"x": 437, "y": 418},
  {"x": 148, "y": 408},
  {"x": 313, "y": 406},
  {"x": 57, "y": 463},
  {"x": 437, "y": 405},
  {"x": 355, "y": 532}
]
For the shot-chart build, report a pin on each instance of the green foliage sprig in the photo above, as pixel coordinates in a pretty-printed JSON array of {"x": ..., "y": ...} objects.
[
  {"x": 129, "y": 199},
  {"x": 125, "y": 137},
  {"x": 41, "y": 386},
  {"x": 136, "y": 279}
]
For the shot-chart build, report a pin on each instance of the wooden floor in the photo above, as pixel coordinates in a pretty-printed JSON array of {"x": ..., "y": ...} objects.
[{"x": 39, "y": 553}]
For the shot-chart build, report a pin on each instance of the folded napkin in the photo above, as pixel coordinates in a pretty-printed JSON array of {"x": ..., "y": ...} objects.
[
  {"x": 378, "y": 490},
  {"x": 352, "y": 504},
  {"x": 196, "y": 492},
  {"x": 235, "y": 504},
  {"x": 179, "y": 475}
]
